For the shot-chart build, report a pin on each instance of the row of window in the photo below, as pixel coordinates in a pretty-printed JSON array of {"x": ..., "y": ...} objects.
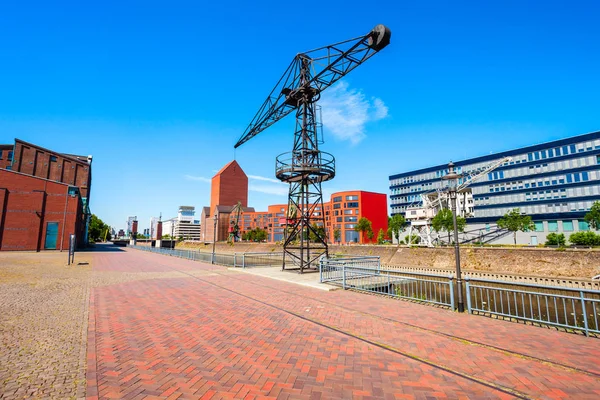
[
  {"x": 560, "y": 180},
  {"x": 533, "y": 209},
  {"x": 338, "y": 199},
  {"x": 533, "y": 156}
]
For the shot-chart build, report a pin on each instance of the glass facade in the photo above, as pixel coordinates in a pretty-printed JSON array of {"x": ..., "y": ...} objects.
[{"x": 555, "y": 181}]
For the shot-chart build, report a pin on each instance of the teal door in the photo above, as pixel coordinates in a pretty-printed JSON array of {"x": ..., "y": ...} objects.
[{"x": 51, "y": 235}]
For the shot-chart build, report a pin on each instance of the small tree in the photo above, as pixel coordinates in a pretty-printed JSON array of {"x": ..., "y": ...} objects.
[
  {"x": 337, "y": 234},
  {"x": 443, "y": 221},
  {"x": 396, "y": 224},
  {"x": 554, "y": 239},
  {"x": 380, "y": 237},
  {"x": 593, "y": 217},
  {"x": 514, "y": 222},
  {"x": 364, "y": 226},
  {"x": 96, "y": 229},
  {"x": 584, "y": 239},
  {"x": 319, "y": 235}
]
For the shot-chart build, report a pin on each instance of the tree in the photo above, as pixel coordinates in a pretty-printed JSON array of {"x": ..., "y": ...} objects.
[
  {"x": 443, "y": 221},
  {"x": 380, "y": 237},
  {"x": 396, "y": 224},
  {"x": 514, "y": 222},
  {"x": 584, "y": 239},
  {"x": 337, "y": 234},
  {"x": 554, "y": 239},
  {"x": 96, "y": 229},
  {"x": 364, "y": 226},
  {"x": 320, "y": 233},
  {"x": 593, "y": 217},
  {"x": 255, "y": 235}
]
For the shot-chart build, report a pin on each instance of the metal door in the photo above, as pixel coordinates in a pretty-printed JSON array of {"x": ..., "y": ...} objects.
[
  {"x": 51, "y": 235},
  {"x": 534, "y": 241}
]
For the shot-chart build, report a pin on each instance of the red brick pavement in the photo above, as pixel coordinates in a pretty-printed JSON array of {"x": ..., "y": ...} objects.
[{"x": 197, "y": 338}]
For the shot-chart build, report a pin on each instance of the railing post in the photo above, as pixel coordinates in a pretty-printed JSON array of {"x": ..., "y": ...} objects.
[
  {"x": 234, "y": 260},
  {"x": 321, "y": 269},
  {"x": 451, "y": 284},
  {"x": 585, "y": 321},
  {"x": 468, "y": 289},
  {"x": 378, "y": 264},
  {"x": 244, "y": 260},
  {"x": 344, "y": 276},
  {"x": 389, "y": 284}
]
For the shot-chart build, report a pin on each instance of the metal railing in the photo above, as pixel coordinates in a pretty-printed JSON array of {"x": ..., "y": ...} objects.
[
  {"x": 363, "y": 275},
  {"x": 238, "y": 260},
  {"x": 576, "y": 309}
]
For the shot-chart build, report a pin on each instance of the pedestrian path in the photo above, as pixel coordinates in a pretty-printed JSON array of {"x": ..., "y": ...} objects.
[{"x": 192, "y": 330}]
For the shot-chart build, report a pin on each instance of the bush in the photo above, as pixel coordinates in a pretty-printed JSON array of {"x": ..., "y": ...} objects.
[
  {"x": 554, "y": 239},
  {"x": 585, "y": 239},
  {"x": 413, "y": 239}
]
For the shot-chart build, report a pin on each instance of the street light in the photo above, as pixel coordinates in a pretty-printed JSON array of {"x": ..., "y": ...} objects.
[
  {"x": 214, "y": 237},
  {"x": 452, "y": 178}
]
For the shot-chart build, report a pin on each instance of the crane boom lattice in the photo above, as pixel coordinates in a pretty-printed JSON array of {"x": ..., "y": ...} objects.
[{"x": 306, "y": 167}]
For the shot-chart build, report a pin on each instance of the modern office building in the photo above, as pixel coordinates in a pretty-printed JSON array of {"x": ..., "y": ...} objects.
[
  {"x": 555, "y": 183},
  {"x": 342, "y": 213},
  {"x": 183, "y": 225}
]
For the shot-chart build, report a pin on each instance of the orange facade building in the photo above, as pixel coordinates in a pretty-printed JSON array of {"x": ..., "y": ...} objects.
[{"x": 342, "y": 213}]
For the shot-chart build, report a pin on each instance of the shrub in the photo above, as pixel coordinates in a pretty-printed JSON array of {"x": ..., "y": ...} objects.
[
  {"x": 554, "y": 239},
  {"x": 585, "y": 239}
]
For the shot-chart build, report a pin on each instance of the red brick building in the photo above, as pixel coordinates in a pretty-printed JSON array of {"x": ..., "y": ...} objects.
[
  {"x": 37, "y": 186},
  {"x": 38, "y": 214},
  {"x": 228, "y": 187}
]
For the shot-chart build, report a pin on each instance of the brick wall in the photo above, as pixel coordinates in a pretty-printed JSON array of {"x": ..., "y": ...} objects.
[
  {"x": 37, "y": 161},
  {"x": 229, "y": 186},
  {"x": 28, "y": 204}
]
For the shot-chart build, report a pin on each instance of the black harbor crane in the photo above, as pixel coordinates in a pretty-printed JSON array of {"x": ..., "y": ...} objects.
[{"x": 306, "y": 167}]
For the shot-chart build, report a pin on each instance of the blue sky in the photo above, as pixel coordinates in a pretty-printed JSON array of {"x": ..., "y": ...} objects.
[{"x": 159, "y": 92}]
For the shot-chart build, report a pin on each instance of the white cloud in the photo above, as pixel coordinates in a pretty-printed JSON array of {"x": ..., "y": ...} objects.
[
  {"x": 346, "y": 112},
  {"x": 197, "y": 178},
  {"x": 262, "y": 178},
  {"x": 279, "y": 190}
]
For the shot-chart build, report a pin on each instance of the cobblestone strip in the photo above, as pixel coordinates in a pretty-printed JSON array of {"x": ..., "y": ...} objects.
[{"x": 43, "y": 306}]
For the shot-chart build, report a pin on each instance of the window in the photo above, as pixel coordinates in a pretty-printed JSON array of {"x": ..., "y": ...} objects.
[
  {"x": 565, "y": 150},
  {"x": 567, "y": 226},
  {"x": 585, "y": 176},
  {"x": 598, "y": 158},
  {"x": 569, "y": 178},
  {"x": 352, "y": 205},
  {"x": 338, "y": 219},
  {"x": 53, "y": 159},
  {"x": 337, "y": 199},
  {"x": 337, "y": 205},
  {"x": 347, "y": 212},
  {"x": 350, "y": 219},
  {"x": 349, "y": 226},
  {"x": 584, "y": 226},
  {"x": 10, "y": 156},
  {"x": 352, "y": 197},
  {"x": 351, "y": 237},
  {"x": 572, "y": 148},
  {"x": 539, "y": 226},
  {"x": 552, "y": 226},
  {"x": 73, "y": 191}
]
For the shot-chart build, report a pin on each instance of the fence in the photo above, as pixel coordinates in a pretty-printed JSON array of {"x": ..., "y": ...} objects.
[
  {"x": 238, "y": 260},
  {"x": 365, "y": 274},
  {"x": 567, "y": 308},
  {"x": 576, "y": 309}
]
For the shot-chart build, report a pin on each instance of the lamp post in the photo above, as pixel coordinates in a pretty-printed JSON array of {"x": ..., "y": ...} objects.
[
  {"x": 172, "y": 237},
  {"x": 452, "y": 178},
  {"x": 214, "y": 238}
]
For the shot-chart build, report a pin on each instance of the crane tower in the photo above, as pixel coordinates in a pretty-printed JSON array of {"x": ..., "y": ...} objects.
[{"x": 306, "y": 167}]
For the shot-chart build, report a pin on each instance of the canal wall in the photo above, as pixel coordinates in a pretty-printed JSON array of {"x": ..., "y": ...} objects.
[{"x": 480, "y": 261}]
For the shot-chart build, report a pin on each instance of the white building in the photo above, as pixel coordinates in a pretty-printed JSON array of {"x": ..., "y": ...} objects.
[
  {"x": 153, "y": 225},
  {"x": 184, "y": 225},
  {"x": 130, "y": 225}
]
